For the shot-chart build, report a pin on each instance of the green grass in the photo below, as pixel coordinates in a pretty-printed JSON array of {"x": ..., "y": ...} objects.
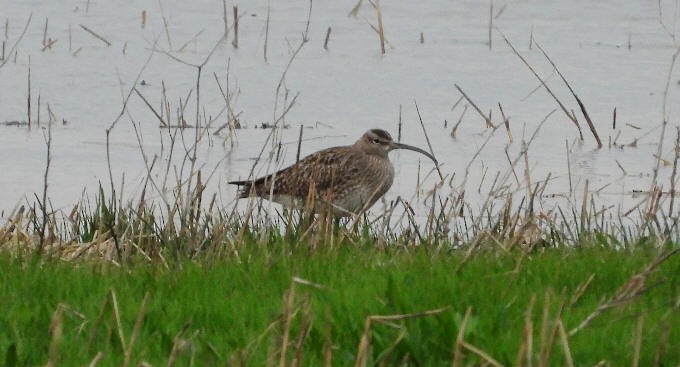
[{"x": 231, "y": 311}]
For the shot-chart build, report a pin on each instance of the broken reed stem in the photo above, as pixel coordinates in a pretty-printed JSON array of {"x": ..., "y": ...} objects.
[
  {"x": 487, "y": 119},
  {"x": 381, "y": 33},
  {"x": 490, "y": 21},
  {"x": 94, "y": 34},
  {"x": 44, "y": 39},
  {"x": 328, "y": 36},
  {"x": 564, "y": 109},
  {"x": 591, "y": 126},
  {"x": 297, "y": 155},
  {"x": 399, "y": 126},
  {"x": 235, "y": 41}
]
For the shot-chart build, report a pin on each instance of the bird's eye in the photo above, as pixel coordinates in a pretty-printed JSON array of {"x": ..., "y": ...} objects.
[{"x": 375, "y": 141}]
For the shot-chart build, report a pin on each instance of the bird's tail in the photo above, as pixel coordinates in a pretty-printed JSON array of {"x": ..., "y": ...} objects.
[{"x": 245, "y": 187}]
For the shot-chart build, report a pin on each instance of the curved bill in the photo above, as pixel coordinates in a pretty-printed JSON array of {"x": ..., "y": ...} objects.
[{"x": 411, "y": 147}]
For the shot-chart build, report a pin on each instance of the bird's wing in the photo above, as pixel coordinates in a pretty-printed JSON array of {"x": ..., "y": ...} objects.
[{"x": 326, "y": 170}]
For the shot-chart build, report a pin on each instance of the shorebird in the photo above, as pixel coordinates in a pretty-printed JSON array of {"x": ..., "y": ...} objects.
[{"x": 346, "y": 179}]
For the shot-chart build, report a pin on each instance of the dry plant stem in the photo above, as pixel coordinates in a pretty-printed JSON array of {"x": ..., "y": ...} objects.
[
  {"x": 564, "y": 109},
  {"x": 675, "y": 170},
  {"x": 305, "y": 35},
  {"x": 299, "y": 145},
  {"x": 564, "y": 341},
  {"x": 663, "y": 339},
  {"x": 427, "y": 138},
  {"x": 116, "y": 314},
  {"x": 288, "y": 314},
  {"x": 278, "y": 91},
  {"x": 328, "y": 36},
  {"x": 117, "y": 119},
  {"x": 399, "y": 126},
  {"x": 460, "y": 99},
  {"x": 192, "y": 39},
  {"x": 225, "y": 19},
  {"x": 363, "y": 351},
  {"x": 460, "y": 119},
  {"x": 269, "y": 136},
  {"x": 638, "y": 341},
  {"x": 95, "y": 361},
  {"x": 567, "y": 153},
  {"x": 664, "y": 116},
  {"x": 43, "y": 203},
  {"x": 165, "y": 24},
  {"x": 381, "y": 33},
  {"x": 16, "y": 43},
  {"x": 44, "y": 39},
  {"x": 485, "y": 356},
  {"x": 235, "y": 41},
  {"x": 506, "y": 122},
  {"x": 158, "y": 116},
  {"x": 629, "y": 291},
  {"x": 591, "y": 126},
  {"x": 28, "y": 94},
  {"x": 355, "y": 10},
  {"x": 664, "y": 111},
  {"x": 486, "y": 118},
  {"x": 56, "y": 330},
  {"x": 490, "y": 21},
  {"x": 659, "y": 151},
  {"x": 135, "y": 330},
  {"x": 266, "y": 32},
  {"x": 525, "y": 350},
  {"x": 95, "y": 35},
  {"x": 670, "y": 33},
  {"x": 460, "y": 339},
  {"x": 176, "y": 344}
]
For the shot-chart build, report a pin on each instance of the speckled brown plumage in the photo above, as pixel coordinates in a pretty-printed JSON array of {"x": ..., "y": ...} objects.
[{"x": 348, "y": 178}]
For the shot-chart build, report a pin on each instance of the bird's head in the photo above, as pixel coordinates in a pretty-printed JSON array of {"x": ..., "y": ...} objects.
[{"x": 379, "y": 142}]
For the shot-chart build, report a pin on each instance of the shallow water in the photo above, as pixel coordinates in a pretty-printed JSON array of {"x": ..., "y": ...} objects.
[{"x": 614, "y": 55}]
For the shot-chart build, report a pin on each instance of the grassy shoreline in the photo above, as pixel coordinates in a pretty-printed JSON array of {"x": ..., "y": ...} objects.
[{"x": 294, "y": 304}]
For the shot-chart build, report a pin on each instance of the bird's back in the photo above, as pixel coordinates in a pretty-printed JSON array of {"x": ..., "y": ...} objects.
[{"x": 345, "y": 177}]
